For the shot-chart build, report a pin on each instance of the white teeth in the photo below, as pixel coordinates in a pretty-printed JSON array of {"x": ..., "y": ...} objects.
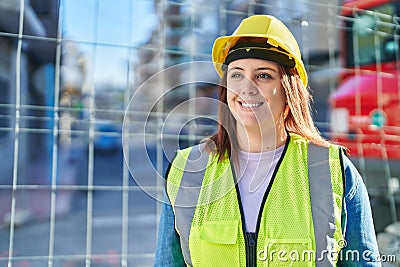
[{"x": 251, "y": 105}]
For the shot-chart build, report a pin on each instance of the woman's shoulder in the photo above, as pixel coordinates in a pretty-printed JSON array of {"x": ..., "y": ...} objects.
[
  {"x": 200, "y": 147},
  {"x": 196, "y": 154},
  {"x": 353, "y": 178},
  {"x": 296, "y": 138}
]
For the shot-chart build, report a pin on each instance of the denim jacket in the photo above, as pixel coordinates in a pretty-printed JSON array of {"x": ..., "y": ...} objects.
[{"x": 358, "y": 229}]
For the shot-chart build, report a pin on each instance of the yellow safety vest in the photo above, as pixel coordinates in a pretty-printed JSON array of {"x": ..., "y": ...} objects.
[{"x": 299, "y": 222}]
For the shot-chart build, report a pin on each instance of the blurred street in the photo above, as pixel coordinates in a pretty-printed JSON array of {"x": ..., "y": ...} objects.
[{"x": 31, "y": 237}]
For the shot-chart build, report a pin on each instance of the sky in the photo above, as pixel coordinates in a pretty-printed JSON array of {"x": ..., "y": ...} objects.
[{"x": 116, "y": 28}]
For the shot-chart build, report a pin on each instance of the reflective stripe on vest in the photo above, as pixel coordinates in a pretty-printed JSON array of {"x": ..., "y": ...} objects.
[
  {"x": 322, "y": 206},
  {"x": 321, "y": 197},
  {"x": 188, "y": 194}
]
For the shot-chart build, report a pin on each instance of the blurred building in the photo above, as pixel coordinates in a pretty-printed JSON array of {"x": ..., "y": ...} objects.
[
  {"x": 30, "y": 70},
  {"x": 187, "y": 29}
]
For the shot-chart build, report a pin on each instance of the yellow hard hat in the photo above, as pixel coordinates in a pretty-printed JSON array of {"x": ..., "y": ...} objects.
[{"x": 278, "y": 38}]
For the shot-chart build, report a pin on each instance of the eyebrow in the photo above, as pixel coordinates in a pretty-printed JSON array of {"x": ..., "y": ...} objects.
[
  {"x": 257, "y": 69},
  {"x": 266, "y": 68},
  {"x": 235, "y": 68}
]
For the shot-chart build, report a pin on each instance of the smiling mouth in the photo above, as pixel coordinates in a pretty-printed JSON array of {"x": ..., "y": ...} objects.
[{"x": 251, "y": 104}]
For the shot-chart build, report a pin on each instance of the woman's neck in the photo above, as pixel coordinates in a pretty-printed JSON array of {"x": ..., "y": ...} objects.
[{"x": 259, "y": 140}]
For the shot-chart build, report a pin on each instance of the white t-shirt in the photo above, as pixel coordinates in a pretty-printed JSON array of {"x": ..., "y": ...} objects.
[{"x": 254, "y": 175}]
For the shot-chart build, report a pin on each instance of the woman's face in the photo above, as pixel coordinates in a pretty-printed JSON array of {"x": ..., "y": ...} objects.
[{"x": 255, "y": 94}]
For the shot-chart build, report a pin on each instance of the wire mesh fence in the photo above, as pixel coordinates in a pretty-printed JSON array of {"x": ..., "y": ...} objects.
[{"x": 78, "y": 77}]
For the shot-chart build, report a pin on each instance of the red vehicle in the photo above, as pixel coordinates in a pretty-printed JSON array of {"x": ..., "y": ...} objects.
[{"x": 365, "y": 108}]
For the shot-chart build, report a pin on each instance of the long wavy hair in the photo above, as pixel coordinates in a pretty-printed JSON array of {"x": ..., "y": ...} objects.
[{"x": 297, "y": 117}]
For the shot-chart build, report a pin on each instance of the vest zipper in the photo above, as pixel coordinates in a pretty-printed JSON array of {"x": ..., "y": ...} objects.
[
  {"x": 260, "y": 212},
  {"x": 247, "y": 240},
  {"x": 250, "y": 239},
  {"x": 251, "y": 245}
]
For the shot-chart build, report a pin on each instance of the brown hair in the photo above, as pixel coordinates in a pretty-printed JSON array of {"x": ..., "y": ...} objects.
[{"x": 297, "y": 118}]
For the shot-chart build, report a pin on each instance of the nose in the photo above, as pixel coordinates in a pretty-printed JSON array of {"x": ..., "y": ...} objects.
[{"x": 248, "y": 88}]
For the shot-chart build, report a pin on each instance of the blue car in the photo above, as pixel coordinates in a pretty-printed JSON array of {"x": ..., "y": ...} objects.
[{"x": 107, "y": 136}]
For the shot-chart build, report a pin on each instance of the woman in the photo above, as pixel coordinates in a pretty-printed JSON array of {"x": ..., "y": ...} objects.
[{"x": 266, "y": 189}]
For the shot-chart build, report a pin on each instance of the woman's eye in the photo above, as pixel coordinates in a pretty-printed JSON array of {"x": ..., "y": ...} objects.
[
  {"x": 236, "y": 75},
  {"x": 264, "y": 76}
]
